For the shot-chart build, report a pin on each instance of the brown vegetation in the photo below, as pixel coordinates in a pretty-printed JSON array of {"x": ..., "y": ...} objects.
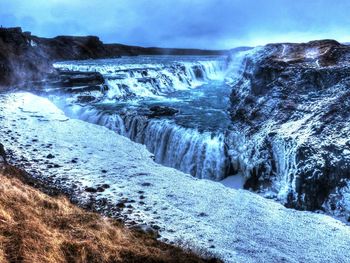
[{"x": 35, "y": 227}]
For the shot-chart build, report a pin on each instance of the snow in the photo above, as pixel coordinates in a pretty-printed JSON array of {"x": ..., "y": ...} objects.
[
  {"x": 234, "y": 181},
  {"x": 236, "y": 225}
]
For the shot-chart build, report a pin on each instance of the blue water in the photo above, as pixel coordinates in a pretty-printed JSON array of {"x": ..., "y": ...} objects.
[
  {"x": 203, "y": 108},
  {"x": 193, "y": 140}
]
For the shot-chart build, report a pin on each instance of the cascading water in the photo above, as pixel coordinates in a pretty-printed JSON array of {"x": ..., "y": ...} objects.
[
  {"x": 198, "y": 139},
  {"x": 193, "y": 140},
  {"x": 143, "y": 79},
  {"x": 200, "y": 154}
]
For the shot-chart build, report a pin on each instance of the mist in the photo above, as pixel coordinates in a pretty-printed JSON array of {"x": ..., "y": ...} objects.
[{"x": 208, "y": 24}]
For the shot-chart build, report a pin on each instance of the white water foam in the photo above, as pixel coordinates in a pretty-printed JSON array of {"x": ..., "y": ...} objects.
[{"x": 149, "y": 80}]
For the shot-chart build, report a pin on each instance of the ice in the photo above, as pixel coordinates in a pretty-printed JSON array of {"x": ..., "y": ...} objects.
[
  {"x": 234, "y": 181},
  {"x": 312, "y": 53}
]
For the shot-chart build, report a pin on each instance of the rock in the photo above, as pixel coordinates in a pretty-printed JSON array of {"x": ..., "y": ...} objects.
[
  {"x": 100, "y": 189},
  {"x": 19, "y": 60},
  {"x": 2, "y": 155},
  {"x": 50, "y": 156},
  {"x": 85, "y": 99},
  {"x": 121, "y": 204},
  {"x": 90, "y": 190},
  {"x": 159, "y": 111},
  {"x": 198, "y": 72},
  {"x": 84, "y": 81},
  {"x": 146, "y": 229},
  {"x": 147, "y": 80},
  {"x": 293, "y": 102},
  {"x": 156, "y": 227},
  {"x": 105, "y": 186}
]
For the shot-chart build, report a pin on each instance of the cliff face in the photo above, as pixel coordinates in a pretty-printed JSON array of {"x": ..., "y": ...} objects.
[
  {"x": 72, "y": 48},
  {"x": 124, "y": 50},
  {"x": 292, "y": 101},
  {"x": 20, "y": 59},
  {"x": 91, "y": 47},
  {"x": 25, "y": 58}
]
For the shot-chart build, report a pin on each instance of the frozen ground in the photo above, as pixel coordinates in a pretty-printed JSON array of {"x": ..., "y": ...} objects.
[{"x": 236, "y": 225}]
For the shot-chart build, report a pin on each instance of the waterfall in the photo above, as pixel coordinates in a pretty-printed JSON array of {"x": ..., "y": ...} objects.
[
  {"x": 127, "y": 81},
  {"x": 201, "y": 154}
]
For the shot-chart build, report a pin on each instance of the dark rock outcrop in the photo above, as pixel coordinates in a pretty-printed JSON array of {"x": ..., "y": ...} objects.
[
  {"x": 72, "y": 48},
  {"x": 3, "y": 158},
  {"x": 159, "y": 111},
  {"x": 125, "y": 50},
  {"x": 19, "y": 59},
  {"x": 72, "y": 79},
  {"x": 292, "y": 103},
  {"x": 85, "y": 87}
]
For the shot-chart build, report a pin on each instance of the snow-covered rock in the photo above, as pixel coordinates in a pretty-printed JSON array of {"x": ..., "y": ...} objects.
[{"x": 291, "y": 105}]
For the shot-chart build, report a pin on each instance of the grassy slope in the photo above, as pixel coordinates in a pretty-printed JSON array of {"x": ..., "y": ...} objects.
[{"x": 35, "y": 227}]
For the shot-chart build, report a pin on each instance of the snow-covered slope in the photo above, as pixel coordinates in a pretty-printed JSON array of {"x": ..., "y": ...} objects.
[{"x": 237, "y": 225}]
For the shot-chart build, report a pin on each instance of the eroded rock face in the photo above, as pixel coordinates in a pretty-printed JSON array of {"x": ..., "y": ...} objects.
[
  {"x": 19, "y": 58},
  {"x": 292, "y": 102},
  {"x": 72, "y": 47}
]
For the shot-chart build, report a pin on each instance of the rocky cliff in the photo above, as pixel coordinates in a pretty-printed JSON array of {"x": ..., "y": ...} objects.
[
  {"x": 292, "y": 103},
  {"x": 20, "y": 59}
]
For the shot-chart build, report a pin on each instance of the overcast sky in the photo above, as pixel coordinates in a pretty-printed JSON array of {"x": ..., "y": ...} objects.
[{"x": 183, "y": 23}]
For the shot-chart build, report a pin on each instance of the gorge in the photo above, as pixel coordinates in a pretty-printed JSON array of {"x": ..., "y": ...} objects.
[{"x": 108, "y": 131}]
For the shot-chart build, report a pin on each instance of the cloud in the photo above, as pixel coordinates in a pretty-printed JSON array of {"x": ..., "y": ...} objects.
[{"x": 183, "y": 23}]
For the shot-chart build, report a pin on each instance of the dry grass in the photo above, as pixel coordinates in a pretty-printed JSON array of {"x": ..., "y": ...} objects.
[{"x": 37, "y": 228}]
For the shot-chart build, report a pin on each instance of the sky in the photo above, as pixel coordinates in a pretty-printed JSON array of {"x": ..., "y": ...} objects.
[{"x": 208, "y": 24}]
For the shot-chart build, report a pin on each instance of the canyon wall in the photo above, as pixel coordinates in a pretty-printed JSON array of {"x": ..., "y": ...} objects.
[{"x": 292, "y": 103}]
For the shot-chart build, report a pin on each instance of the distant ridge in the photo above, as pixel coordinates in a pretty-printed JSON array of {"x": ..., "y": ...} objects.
[{"x": 26, "y": 57}]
